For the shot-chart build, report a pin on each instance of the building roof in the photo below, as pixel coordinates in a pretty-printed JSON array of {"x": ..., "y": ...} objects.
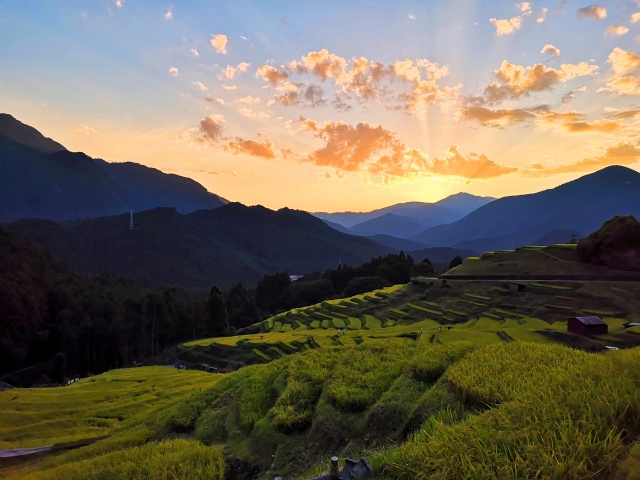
[{"x": 590, "y": 320}]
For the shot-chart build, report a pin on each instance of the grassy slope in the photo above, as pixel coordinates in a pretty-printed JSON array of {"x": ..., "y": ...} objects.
[
  {"x": 383, "y": 386},
  {"x": 531, "y": 260}
]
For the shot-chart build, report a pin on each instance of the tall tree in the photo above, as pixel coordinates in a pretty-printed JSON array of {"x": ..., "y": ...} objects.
[{"x": 217, "y": 312}]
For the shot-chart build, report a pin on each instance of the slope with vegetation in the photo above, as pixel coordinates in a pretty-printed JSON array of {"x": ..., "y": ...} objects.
[{"x": 224, "y": 246}]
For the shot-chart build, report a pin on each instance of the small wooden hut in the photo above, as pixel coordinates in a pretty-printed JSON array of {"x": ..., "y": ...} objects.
[{"x": 587, "y": 325}]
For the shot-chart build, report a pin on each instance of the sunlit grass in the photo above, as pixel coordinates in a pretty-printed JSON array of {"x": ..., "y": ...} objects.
[{"x": 92, "y": 407}]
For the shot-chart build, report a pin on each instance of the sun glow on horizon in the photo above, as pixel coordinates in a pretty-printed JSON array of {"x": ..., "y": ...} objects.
[{"x": 380, "y": 105}]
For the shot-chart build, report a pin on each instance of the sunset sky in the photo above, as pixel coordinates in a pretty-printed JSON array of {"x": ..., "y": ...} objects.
[{"x": 333, "y": 105}]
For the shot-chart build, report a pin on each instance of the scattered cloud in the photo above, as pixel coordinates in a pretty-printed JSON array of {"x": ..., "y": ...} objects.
[
  {"x": 239, "y": 146},
  {"x": 635, "y": 17},
  {"x": 298, "y": 93},
  {"x": 211, "y": 128},
  {"x": 169, "y": 14},
  {"x": 119, "y": 3},
  {"x": 506, "y": 26},
  {"x": 626, "y": 114},
  {"x": 592, "y": 11},
  {"x": 230, "y": 71},
  {"x": 403, "y": 85},
  {"x": 201, "y": 86},
  {"x": 174, "y": 71},
  {"x": 620, "y": 154},
  {"x": 496, "y": 118},
  {"x": 271, "y": 74},
  {"x": 87, "y": 131},
  {"x": 209, "y": 98},
  {"x": 550, "y": 49},
  {"x": 248, "y": 100},
  {"x": 228, "y": 87},
  {"x": 542, "y": 15},
  {"x": 624, "y": 79},
  {"x": 322, "y": 64},
  {"x": 371, "y": 150},
  {"x": 571, "y": 94},
  {"x": 575, "y": 122},
  {"x": 473, "y": 166},
  {"x": 195, "y": 52},
  {"x": 524, "y": 7},
  {"x": 412, "y": 16},
  {"x": 219, "y": 42},
  {"x": 517, "y": 81},
  {"x": 617, "y": 30}
]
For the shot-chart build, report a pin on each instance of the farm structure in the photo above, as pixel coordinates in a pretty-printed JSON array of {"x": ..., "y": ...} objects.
[{"x": 587, "y": 325}]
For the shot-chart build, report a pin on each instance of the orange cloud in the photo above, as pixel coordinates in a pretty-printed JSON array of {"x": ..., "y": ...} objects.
[
  {"x": 516, "y": 81},
  {"x": 620, "y": 154},
  {"x": 625, "y": 67},
  {"x": 174, "y": 71},
  {"x": 473, "y": 166},
  {"x": 624, "y": 115},
  {"x": 370, "y": 149},
  {"x": 271, "y": 74},
  {"x": 239, "y": 146},
  {"x": 495, "y": 118},
  {"x": 211, "y": 127},
  {"x": 574, "y": 122},
  {"x": 322, "y": 64},
  {"x": 219, "y": 42},
  {"x": 635, "y": 17},
  {"x": 592, "y": 11}
]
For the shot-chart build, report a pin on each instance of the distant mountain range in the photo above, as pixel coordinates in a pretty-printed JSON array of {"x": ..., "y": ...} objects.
[
  {"x": 197, "y": 240},
  {"x": 581, "y": 205},
  {"x": 223, "y": 246},
  {"x": 405, "y": 220},
  {"x": 41, "y": 179}
]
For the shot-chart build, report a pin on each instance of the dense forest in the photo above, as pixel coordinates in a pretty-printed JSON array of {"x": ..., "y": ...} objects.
[{"x": 56, "y": 322}]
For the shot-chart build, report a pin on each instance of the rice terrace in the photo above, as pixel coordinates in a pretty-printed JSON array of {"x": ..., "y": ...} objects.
[{"x": 433, "y": 379}]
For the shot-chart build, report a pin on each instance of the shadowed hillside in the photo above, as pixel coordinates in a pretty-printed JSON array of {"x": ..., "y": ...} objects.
[
  {"x": 223, "y": 246},
  {"x": 41, "y": 179},
  {"x": 581, "y": 205}
]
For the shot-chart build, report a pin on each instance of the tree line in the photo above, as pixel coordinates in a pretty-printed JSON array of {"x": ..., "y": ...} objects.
[{"x": 76, "y": 324}]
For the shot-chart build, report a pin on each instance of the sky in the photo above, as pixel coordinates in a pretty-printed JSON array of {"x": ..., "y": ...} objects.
[{"x": 333, "y": 105}]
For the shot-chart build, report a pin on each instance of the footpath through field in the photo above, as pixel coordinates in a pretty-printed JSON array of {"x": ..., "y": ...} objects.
[{"x": 19, "y": 452}]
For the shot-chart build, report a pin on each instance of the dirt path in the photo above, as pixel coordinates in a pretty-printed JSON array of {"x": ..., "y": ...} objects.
[{"x": 20, "y": 452}]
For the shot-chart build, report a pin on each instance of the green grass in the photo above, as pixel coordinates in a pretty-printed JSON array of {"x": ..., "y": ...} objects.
[{"x": 489, "y": 398}]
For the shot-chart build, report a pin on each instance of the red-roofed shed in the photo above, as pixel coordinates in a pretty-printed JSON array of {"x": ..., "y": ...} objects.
[{"x": 587, "y": 326}]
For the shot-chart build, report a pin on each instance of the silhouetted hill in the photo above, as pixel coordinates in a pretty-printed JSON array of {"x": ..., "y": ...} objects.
[
  {"x": 581, "y": 205},
  {"x": 446, "y": 210},
  {"x": 17, "y": 132},
  {"x": 41, "y": 179},
  {"x": 616, "y": 244},
  {"x": 222, "y": 246},
  {"x": 147, "y": 188}
]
